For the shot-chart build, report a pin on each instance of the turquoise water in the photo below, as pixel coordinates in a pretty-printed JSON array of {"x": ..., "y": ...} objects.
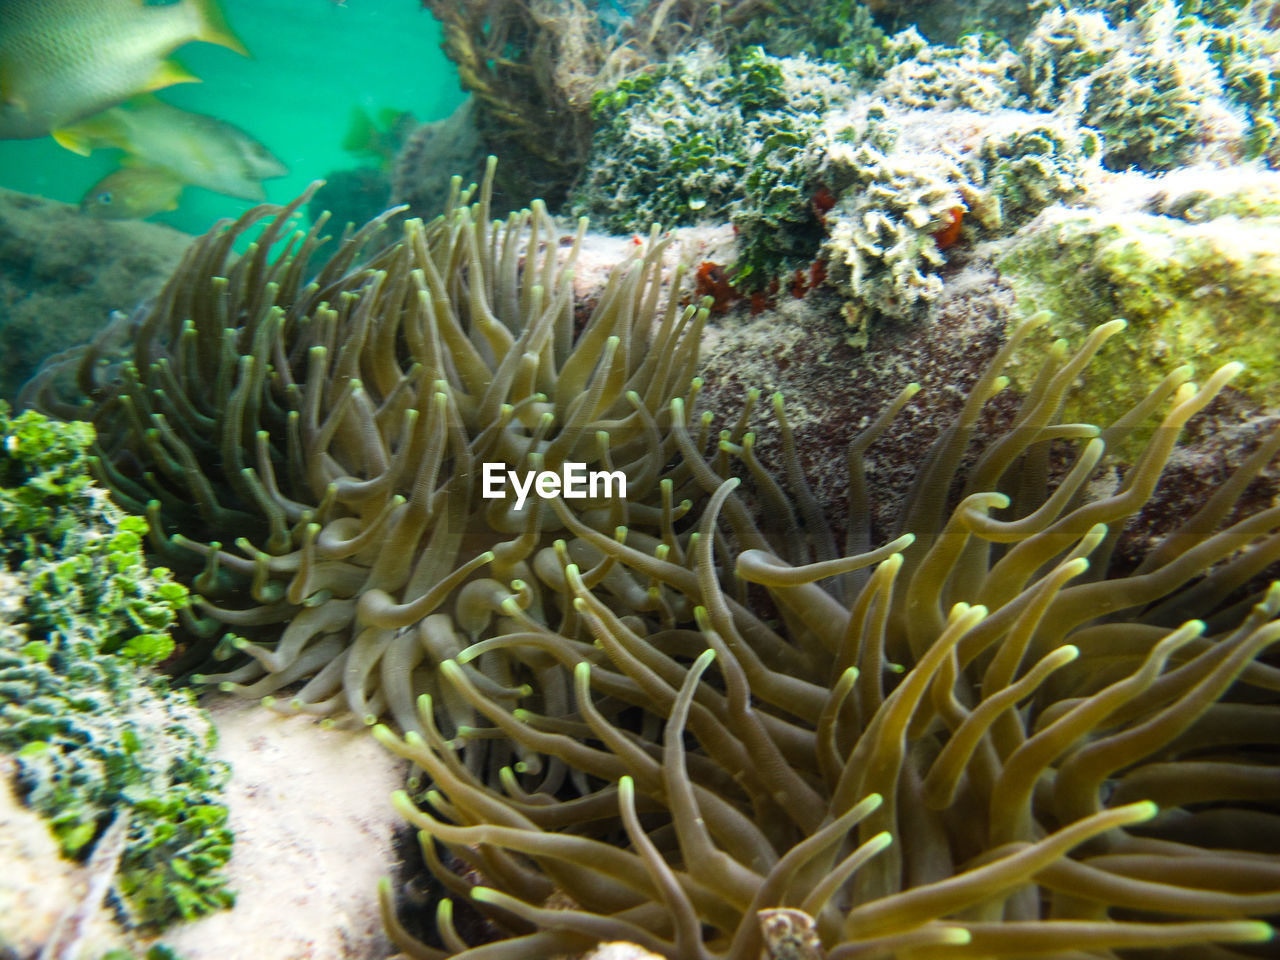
[{"x": 312, "y": 62}]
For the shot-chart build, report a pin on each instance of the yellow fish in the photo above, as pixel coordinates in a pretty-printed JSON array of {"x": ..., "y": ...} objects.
[
  {"x": 132, "y": 193},
  {"x": 198, "y": 149},
  {"x": 63, "y": 60}
]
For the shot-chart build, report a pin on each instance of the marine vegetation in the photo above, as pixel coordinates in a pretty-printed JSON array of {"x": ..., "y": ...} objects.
[
  {"x": 702, "y": 138},
  {"x": 1193, "y": 267},
  {"x": 661, "y": 720},
  {"x": 877, "y": 167},
  {"x": 99, "y": 736},
  {"x": 526, "y": 61},
  {"x": 1149, "y": 85}
]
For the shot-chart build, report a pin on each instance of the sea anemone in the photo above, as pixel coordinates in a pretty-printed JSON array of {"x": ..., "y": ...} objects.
[
  {"x": 973, "y": 741},
  {"x": 334, "y": 430},
  {"x": 683, "y": 718}
]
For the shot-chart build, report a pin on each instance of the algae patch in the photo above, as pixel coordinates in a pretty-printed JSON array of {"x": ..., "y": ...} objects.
[{"x": 1192, "y": 289}]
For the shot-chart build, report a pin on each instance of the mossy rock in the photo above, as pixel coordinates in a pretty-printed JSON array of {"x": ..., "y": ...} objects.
[{"x": 1207, "y": 292}]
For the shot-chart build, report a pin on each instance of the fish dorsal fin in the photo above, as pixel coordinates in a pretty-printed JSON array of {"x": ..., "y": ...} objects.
[
  {"x": 168, "y": 73},
  {"x": 100, "y": 130},
  {"x": 214, "y": 27}
]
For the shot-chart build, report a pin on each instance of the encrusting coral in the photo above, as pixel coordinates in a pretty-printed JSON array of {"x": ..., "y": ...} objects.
[
  {"x": 972, "y": 741},
  {"x": 335, "y": 431},
  {"x": 660, "y": 720}
]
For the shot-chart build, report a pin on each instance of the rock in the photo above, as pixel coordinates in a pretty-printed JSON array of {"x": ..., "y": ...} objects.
[{"x": 61, "y": 275}]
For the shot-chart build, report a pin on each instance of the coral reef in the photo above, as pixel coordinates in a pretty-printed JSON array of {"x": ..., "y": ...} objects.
[
  {"x": 95, "y": 733},
  {"x": 678, "y": 719},
  {"x": 528, "y": 62},
  {"x": 1150, "y": 84},
  {"x": 978, "y": 74},
  {"x": 842, "y": 32},
  {"x": 61, "y": 275},
  {"x": 680, "y": 142},
  {"x": 918, "y": 146},
  {"x": 912, "y": 183},
  {"x": 854, "y": 771}
]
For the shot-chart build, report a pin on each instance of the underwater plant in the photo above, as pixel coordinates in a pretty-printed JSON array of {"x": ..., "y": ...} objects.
[
  {"x": 705, "y": 135},
  {"x": 334, "y": 431},
  {"x": 1149, "y": 82},
  {"x": 975, "y": 740},
  {"x": 96, "y": 735}
]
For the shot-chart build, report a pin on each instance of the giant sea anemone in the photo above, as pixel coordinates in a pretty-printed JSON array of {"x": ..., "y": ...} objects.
[{"x": 685, "y": 719}]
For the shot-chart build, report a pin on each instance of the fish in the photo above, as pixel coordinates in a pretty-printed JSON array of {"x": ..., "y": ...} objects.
[
  {"x": 132, "y": 193},
  {"x": 378, "y": 139},
  {"x": 198, "y": 149},
  {"x": 64, "y": 60}
]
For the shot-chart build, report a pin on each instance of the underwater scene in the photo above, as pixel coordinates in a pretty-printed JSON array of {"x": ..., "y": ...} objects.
[{"x": 633, "y": 479}]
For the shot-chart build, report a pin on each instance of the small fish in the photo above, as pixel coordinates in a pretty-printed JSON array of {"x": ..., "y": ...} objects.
[
  {"x": 379, "y": 139},
  {"x": 197, "y": 149},
  {"x": 64, "y": 60},
  {"x": 132, "y": 193}
]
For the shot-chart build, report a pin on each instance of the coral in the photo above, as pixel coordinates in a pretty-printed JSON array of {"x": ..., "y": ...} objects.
[
  {"x": 1149, "y": 86},
  {"x": 978, "y": 74},
  {"x": 334, "y": 432},
  {"x": 1203, "y": 287},
  {"x": 1241, "y": 40},
  {"x": 975, "y": 740},
  {"x": 1035, "y": 165},
  {"x": 1067, "y": 45},
  {"x": 835, "y": 31},
  {"x": 95, "y": 732},
  {"x": 704, "y": 137},
  {"x": 807, "y": 171},
  {"x": 526, "y": 62},
  {"x": 881, "y": 246}
]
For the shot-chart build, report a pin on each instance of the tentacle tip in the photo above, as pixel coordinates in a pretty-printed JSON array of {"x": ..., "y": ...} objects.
[{"x": 1256, "y": 931}]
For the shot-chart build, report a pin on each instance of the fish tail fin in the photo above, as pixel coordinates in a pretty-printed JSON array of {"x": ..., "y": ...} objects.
[
  {"x": 167, "y": 74},
  {"x": 213, "y": 27},
  {"x": 73, "y": 140}
]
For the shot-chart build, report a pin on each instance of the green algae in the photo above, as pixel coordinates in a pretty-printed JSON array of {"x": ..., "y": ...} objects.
[
  {"x": 1206, "y": 292},
  {"x": 95, "y": 731}
]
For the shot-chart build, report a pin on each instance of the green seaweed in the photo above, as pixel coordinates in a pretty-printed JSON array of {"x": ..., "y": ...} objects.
[{"x": 94, "y": 729}]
